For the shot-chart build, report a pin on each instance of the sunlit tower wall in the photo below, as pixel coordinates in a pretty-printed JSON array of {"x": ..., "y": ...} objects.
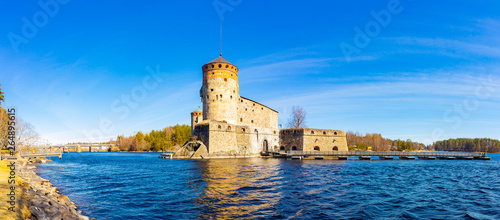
[
  {"x": 220, "y": 91},
  {"x": 196, "y": 117}
]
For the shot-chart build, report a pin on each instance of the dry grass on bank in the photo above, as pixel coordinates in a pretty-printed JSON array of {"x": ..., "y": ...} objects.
[{"x": 5, "y": 214}]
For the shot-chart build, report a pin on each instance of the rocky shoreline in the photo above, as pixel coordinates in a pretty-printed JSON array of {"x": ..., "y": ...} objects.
[{"x": 42, "y": 199}]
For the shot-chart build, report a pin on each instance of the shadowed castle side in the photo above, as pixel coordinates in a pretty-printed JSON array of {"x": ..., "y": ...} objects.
[{"x": 230, "y": 125}]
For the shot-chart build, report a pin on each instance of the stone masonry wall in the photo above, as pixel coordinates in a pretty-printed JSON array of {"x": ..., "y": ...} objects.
[
  {"x": 252, "y": 113},
  {"x": 222, "y": 139},
  {"x": 306, "y": 139},
  {"x": 324, "y": 139},
  {"x": 291, "y": 139}
]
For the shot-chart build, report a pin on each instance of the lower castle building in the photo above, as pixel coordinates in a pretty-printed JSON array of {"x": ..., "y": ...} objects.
[{"x": 230, "y": 125}]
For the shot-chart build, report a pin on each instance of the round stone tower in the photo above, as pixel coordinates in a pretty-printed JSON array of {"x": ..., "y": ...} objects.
[
  {"x": 196, "y": 117},
  {"x": 220, "y": 91}
]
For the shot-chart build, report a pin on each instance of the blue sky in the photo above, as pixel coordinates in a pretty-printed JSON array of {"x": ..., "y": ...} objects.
[{"x": 429, "y": 72}]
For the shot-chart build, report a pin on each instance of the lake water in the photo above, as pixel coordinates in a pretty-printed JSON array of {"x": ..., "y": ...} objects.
[{"x": 142, "y": 186}]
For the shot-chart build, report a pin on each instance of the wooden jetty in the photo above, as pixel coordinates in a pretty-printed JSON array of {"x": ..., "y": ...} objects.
[
  {"x": 368, "y": 155},
  {"x": 35, "y": 154}
]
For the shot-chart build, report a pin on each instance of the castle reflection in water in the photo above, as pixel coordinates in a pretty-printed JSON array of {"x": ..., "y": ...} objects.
[{"x": 254, "y": 188}]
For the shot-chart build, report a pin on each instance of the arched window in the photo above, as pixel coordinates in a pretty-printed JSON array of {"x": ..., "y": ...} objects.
[
  {"x": 212, "y": 66},
  {"x": 312, "y": 132},
  {"x": 229, "y": 128},
  {"x": 225, "y": 79},
  {"x": 227, "y": 66},
  {"x": 294, "y": 148},
  {"x": 243, "y": 129},
  {"x": 324, "y": 132},
  {"x": 220, "y": 127},
  {"x": 252, "y": 121},
  {"x": 316, "y": 148},
  {"x": 220, "y": 65},
  {"x": 275, "y": 148},
  {"x": 282, "y": 148},
  {"x": 335, "y": 133},
  {"x": 256, "y": 131},
  {"x": 241, "y": 119},
  {"x": 335, "y": 148}
]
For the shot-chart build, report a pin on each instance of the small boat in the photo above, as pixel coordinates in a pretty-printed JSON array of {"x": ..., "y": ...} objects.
[{"x": 166, "y": 155}]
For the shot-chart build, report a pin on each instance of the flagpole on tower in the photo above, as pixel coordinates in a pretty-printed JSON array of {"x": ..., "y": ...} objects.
[{"x": 220, "y": 43}]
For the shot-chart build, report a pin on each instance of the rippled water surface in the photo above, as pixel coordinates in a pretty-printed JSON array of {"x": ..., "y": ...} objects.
[{"x": 142, "y": 186}]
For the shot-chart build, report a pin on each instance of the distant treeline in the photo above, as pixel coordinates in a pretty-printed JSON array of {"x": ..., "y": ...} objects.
[
  {"x": 467, "y": 145},
  {"x": 156, "y": 140},
  {"x": 377, "y": 143}
]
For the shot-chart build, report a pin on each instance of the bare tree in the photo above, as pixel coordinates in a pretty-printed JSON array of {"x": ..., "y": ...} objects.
[
  {"x": 297, "y": 118},
  {"x": 26, "y": 136}
]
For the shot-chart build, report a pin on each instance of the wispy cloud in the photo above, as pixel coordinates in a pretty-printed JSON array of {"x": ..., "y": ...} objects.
[
  {"x": 271, "y": 71},
  {"x": 449, "y": 47}
]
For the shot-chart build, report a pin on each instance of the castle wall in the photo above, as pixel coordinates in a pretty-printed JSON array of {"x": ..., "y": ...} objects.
[
  {"x": 222, "y": 139},
  {"x": 260, "y": 135},
  {"x": 325, "y": 139},
  {"x": 306, "y": 139},
  {"x": 228, "y": 139},
  {"x": 252, "y": 113},
  {"x": 290, "y": 138}
]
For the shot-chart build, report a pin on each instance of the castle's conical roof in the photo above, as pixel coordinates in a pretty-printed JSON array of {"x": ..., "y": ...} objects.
[
  {"x": 220, "y": 59},
  {"x": 198, "y": 110}
]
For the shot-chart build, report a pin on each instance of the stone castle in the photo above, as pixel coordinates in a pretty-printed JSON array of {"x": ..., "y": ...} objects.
[{"x": 230, "y": 125}]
